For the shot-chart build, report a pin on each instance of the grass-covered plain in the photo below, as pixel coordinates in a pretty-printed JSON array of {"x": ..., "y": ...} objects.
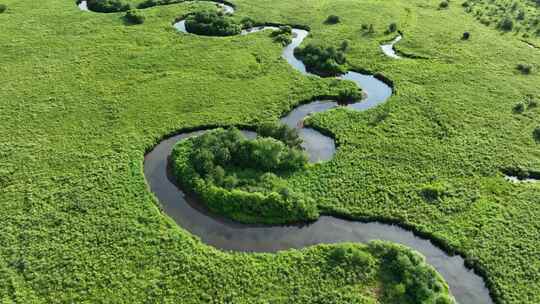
[
  {"x": 84, "y": 96},
  {"x": 521, "y": 17}
]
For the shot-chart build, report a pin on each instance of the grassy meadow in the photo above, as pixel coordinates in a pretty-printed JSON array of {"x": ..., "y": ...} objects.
[{"x": 84, "y": 95}]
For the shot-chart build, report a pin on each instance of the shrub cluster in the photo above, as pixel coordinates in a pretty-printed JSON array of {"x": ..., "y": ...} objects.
[
  {"x": 353, "y": 257},
  {"x": 434, "y": 191},
  {"x": 247, "y": 22},
  {"x": 135, "y": 16},
  {"x": 444, "y": 4},
  {"x": 108, "y": 6},
  {"x": 3, "y": 8},
  {"x": 367, "y": 29},
  {"x": 521, "y": 16},
  {"x": 212, "y": 23},
  {"x": 283, "y": 35},
  {"x": 536, "y": 134},
  {"x": 506, "y": 24},
  {"x": 332, "y": 19},
  {"x": 392, "y": 27},
  {"x": 349, "y": 95},
  {"x": 524, "y": 68},
  {"x": 239, "y": 178},
  {"x": 322, "y": 61},
  {"x": 281, "y": 132},
  {"x": 151, "y": 3},
  {"x": 519, "y": 108},
  {"x": 407, "y": 277}
]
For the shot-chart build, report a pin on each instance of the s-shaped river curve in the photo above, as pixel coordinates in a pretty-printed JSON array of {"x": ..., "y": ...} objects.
[{"x": 465, "y": 285}]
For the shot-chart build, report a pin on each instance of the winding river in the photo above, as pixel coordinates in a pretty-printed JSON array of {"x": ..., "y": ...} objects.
[
  {"x": 388, "y": 49},
  {"x": 465, "y": 285}
]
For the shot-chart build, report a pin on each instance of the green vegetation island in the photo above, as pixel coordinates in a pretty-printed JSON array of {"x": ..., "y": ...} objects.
[{"x": 446, "y": 149}]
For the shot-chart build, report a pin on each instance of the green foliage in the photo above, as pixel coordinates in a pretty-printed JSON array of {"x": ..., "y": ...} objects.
[
  {"x": 3, "y": 8},
  {"x": 281, "y": 132},
  {"x": 108, "y": 6},
  {"x": 519, "y": 108},
  {"x": 212, "y": 23},
  {"x": 443, "y": 4},
  {"x": 151, "y": 3},
  {"x": 392, "y": 27},
  {"x": 506, "y": 24},
  {"x": 283, "y": 35},
  {"x": 349, "y": 95},
  {"x": 135, "y": 17},
  {"x": 518, "y": 15},
  {"x": 332, "y": 19},
  {"x": 536, "y": 134},
  {"x": 466, "y": 36},
  {"x": 237, "y": 177},
  {"x": 353, "y": 257},
  {"x": 524, "y": 68},
  {"x": 433, "y": 191},
  {"x": 367, "y": 29},
  {"x": 407, "y": 277},
  {"x": 322, "y": 61},
  {"x": 247, "y": 22}
]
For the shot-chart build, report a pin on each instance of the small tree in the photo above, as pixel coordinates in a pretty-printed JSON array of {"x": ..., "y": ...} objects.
[
  {"x": 344, "y": 46},
  {"x": 524, "y": 68},
  {"x": 466, "y": 36},
  {"x": 519, "y": 108},
  {"x": 332, "y": 19},
  {"x": 108, "y": 6},
  {"x": 443, "y": 4},
  {"x": 247, "y": 22},
  {"x": 392, "y": 27},
  {"x": 506, "y": 24},
  {"x": 135, "y": 16},
  {"x": 536, "y": 134},
  {"x": 3, "y": 8},
  {"x": 349, "y": 95}
]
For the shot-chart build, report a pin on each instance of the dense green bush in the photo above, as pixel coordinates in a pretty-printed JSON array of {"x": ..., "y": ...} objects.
[
  {"x": 135, "y": 16},
  {"x": 367, "y": 28},
  {"x": 147, "y": 4},
  {"x": 407, "y": 278},
  {"x": 519, "y": 108},
  {"x": 322, "y": 61},
  {"x": 332, "y": 19},
  {"x": 212, "y": 23},
  {"x": 3, "y": 8},
  {"x": 392, "y": 27},
  {"x": 108, "y": 6},
  {"x": 239, "y": 178},
  {"x": 281, "y": 132},
  {"x": 434, "y": 191},
  {"x": 466, "y": 36},
  {"x": 351, "y": 256},
  {"x": 524, "y": 68},
  {"x": 283, "y": 35},
  {"x": 444, "y": 4},
  {"x": 151, "y": 3},
  {"x": 349, "y": 95},
  {"x": 506, "y": 24},
  {"x": 536, "y": 134},
  {"x": 247, "y": 23}
]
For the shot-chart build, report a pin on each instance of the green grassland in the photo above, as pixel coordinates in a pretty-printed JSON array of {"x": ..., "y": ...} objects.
[
  {"x": 522, "y": 17},
  {"x": 84, "y": 95}
]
